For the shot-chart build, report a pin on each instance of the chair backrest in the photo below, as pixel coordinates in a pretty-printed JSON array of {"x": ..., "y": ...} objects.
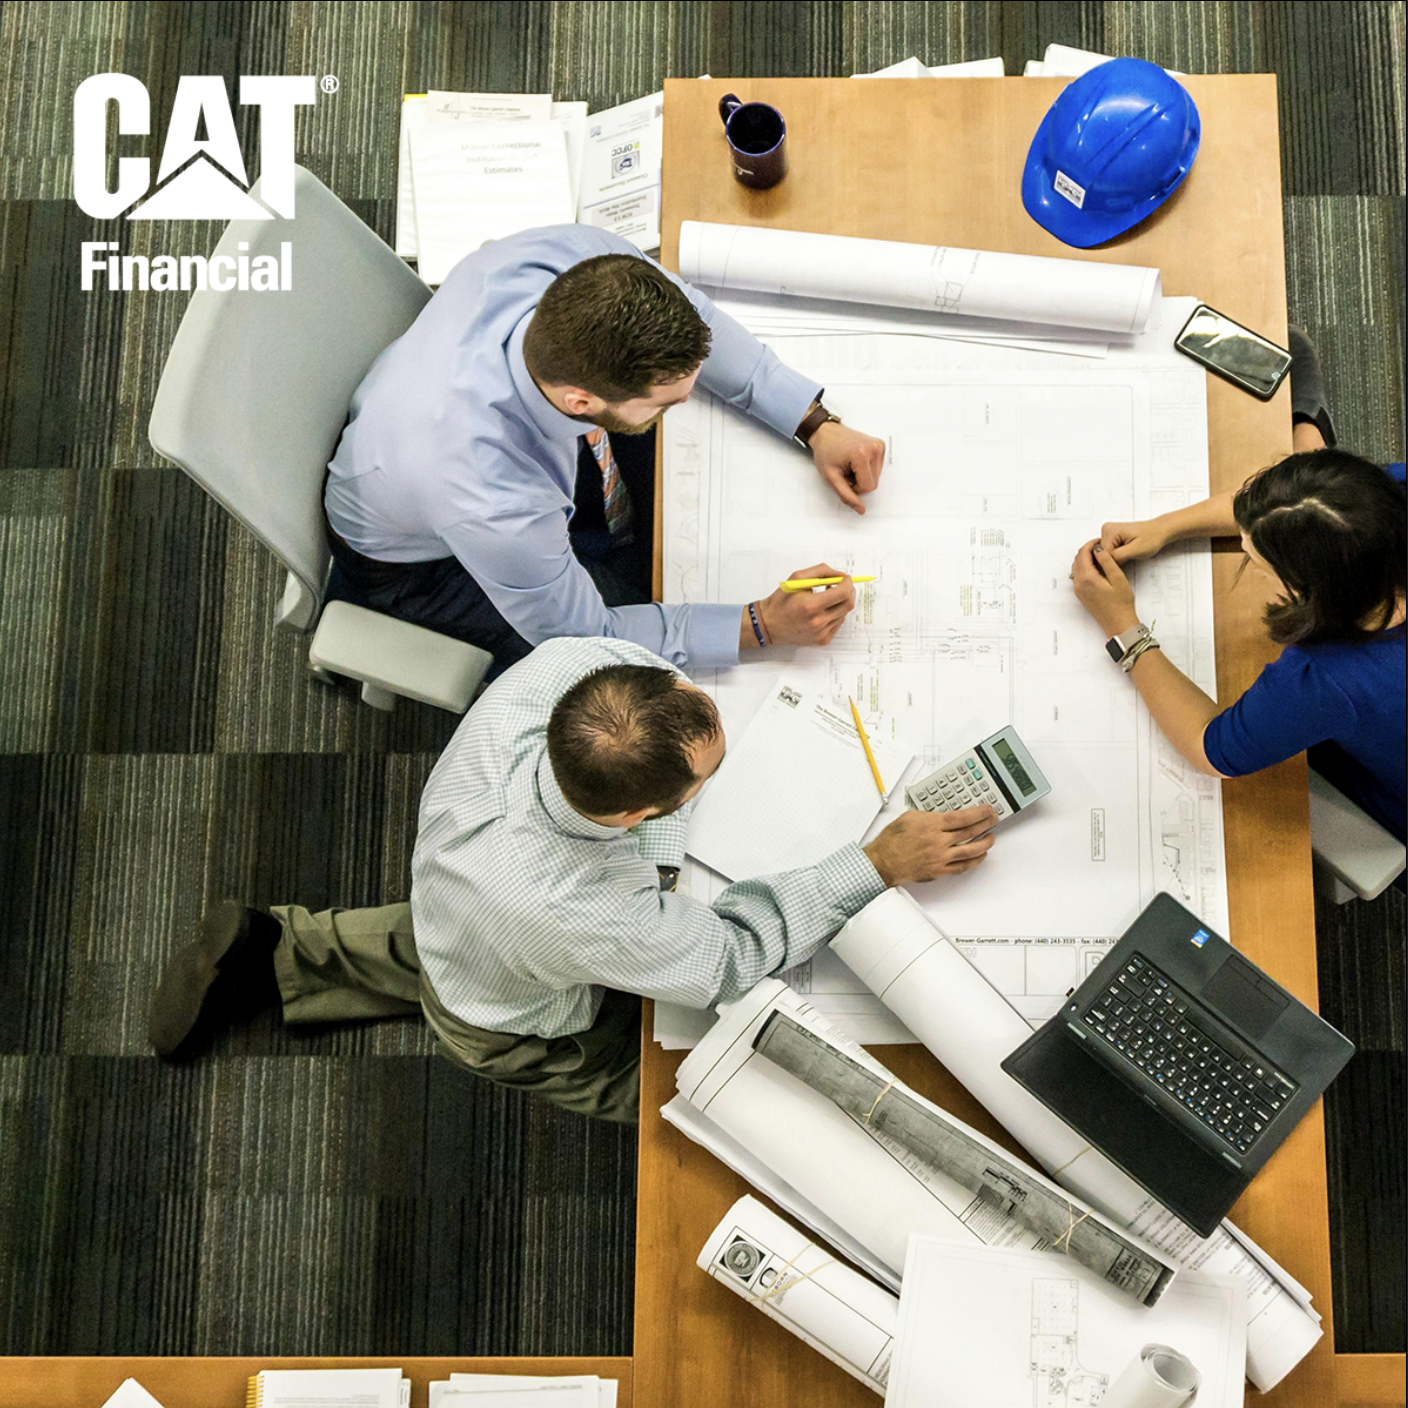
[{"x": 257, "y": 384}]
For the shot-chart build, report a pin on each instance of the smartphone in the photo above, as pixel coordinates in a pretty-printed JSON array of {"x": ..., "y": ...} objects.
[{"x": 1243, "y": 357}]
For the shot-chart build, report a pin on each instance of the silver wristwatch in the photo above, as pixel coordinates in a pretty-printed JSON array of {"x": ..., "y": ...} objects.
[{"x": 1125, "y": 648}]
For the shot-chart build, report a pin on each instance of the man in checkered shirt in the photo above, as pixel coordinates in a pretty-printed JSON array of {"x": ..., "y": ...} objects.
[{"x": 542, "y": 904}]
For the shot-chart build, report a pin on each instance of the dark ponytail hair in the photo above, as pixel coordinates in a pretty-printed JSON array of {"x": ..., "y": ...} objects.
[{"x": 1334, "y": 529}]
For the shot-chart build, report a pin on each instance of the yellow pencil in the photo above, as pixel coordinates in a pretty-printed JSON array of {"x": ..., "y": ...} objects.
[
  {"x": 865, "y": 743},
  {"x": 805, "y": 584}
]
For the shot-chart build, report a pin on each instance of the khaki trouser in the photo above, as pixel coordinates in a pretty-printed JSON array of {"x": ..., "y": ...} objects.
[{"x": 349, "y": 964}]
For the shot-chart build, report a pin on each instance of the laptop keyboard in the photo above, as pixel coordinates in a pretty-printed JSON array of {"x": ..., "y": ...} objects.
[{"x": 1227, "y": 1086}]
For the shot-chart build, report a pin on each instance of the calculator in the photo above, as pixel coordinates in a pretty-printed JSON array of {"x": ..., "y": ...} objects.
[{"x": 999, "y": 771}]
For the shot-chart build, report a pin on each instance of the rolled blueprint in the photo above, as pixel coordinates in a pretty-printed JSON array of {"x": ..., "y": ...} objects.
[
  {"x": 1157, "y": 1377},
  {"x": 1021, "y": 288},
  {"x": 894, "y": 948},
  {"x": 802, "y": 1286},
  {"x": 860, "y": 1179},
  {"x": 890, "y": 1110}
]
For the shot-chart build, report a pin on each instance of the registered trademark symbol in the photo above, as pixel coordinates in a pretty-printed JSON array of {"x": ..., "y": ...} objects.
[{"x": 329, "y": 83}]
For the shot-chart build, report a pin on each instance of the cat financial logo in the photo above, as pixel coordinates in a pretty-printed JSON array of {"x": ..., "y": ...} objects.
[{"x": 199, "y": 177}]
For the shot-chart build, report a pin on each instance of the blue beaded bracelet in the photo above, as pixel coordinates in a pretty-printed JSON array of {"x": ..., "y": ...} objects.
[{"x": 757, "y": 624}]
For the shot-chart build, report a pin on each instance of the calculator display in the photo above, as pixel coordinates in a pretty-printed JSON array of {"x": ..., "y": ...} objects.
[{"x": 1015, "y": 770}]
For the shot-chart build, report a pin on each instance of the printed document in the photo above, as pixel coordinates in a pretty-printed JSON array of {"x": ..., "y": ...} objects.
[
  {"x": 794, "y": 788},
  {"x": 477, "y": 181},
  {"x": 421, "y": 109},
  {"x": 620, "y": 188}
]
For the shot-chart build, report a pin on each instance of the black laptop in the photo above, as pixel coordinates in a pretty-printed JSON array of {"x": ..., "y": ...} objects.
[{"x": 1182, "y": 1062}]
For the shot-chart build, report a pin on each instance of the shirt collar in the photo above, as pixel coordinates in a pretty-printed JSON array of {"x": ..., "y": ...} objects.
[
  {"x": 564, "y": 815},
  {"x": 553, "y": 424}
]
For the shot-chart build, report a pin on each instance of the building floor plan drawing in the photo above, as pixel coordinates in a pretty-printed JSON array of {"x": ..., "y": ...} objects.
[
  {"x": 1000, "y": 1328},
  {"x": 1001, "y": 464},
  {"x": 1057, "y": 1377}
]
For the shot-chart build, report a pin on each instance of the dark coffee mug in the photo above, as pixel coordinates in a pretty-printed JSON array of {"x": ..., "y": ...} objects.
[{"x": 757, "y": 141}]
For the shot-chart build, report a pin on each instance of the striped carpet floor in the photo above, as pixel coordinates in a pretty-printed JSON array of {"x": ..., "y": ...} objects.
[{"x": 160, "y": 745}]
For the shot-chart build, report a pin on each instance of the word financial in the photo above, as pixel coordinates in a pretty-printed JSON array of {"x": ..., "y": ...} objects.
[{"x": 221, "y": 272}]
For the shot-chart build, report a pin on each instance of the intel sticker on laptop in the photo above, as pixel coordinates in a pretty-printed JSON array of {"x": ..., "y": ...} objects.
[{"x": 1200, "y": 938}]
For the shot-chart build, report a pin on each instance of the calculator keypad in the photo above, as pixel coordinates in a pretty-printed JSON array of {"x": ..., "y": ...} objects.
[{"x": 955, "y": 786}]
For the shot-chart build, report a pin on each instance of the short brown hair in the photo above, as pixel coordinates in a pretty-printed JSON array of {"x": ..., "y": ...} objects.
[
  {"x": 621, "y": 739},
  {"x": 615, "y": 325}
]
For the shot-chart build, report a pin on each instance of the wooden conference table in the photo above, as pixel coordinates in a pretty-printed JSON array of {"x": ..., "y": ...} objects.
[{"x": 941, "y": 162}]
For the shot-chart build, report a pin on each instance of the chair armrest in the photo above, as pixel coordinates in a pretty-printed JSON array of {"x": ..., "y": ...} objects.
[
  {"x": 398, "y": 657},
  {"x": 1349, "y": 843}
]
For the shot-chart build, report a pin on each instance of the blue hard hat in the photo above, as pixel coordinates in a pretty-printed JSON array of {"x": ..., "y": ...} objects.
[{"x": 1110, "y": 150}]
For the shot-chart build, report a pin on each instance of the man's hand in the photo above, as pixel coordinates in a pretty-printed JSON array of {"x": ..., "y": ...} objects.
[
  {"x": 1127, "y": 542},
  {"x": 849, "y": 461},
  {"x": 919, "y": 846},
  {"x": 1103, "y": 589},
  {"x": 808, "y": 617}
]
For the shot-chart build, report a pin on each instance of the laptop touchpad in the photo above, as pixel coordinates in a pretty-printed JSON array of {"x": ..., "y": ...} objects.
[{"x": 1243, "y": 998}]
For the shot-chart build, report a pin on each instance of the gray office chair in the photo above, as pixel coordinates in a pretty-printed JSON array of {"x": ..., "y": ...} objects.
[
  {"x": 252, "y": 401},
  {"x": 1353, "y": 856}
]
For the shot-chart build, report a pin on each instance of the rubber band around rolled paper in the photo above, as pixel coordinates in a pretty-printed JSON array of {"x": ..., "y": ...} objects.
[
  {"x": 781, "y": 1284},
  {"x": 870, "y": 1113},
  {"x": 1057, "y": 1172},
  {"x": 1074, "y": 1223}
]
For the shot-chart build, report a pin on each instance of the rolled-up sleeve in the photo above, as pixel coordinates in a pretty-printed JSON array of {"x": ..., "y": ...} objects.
[
  {"x": 677, "y": 949},
  {"x": 1291, "y": 706}
]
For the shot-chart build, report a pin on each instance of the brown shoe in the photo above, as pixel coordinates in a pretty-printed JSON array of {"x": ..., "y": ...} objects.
[{"x": 235, "y": 951}]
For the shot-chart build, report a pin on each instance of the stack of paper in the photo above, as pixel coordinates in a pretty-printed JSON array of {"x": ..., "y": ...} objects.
[
  {"x": 792, "y": 790},
  {"x": 484, "y": 165},
  {"x": 478, "y": 166},
  {"x": 1062, "y": 61},
  {"x": 621, "y": 171},
  {"x": 523, "y": 1391},
  {"x": 912, "y": 68},
  {"x": 316, "y": 1388}
]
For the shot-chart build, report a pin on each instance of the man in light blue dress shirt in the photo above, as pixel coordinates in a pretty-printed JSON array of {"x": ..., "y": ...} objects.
[{"x": 463, "y": 497}]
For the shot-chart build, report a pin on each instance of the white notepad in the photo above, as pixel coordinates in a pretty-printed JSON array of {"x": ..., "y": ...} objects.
[
  {"x": 318, "y": 1388},
  {"x": 792, "y": 790}
]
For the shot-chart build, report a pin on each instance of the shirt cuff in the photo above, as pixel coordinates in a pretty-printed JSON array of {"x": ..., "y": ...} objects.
[
  {"x": 781, "y": 396},
  {"x": 661, "y": 838},
  {"x": 850, "y": 879},
  {"x": 713, "y": 634}
]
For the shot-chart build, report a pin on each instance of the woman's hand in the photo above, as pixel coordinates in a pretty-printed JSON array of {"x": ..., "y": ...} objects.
[
  {"x": 1126, "y": 542},
  {"x": 1103, "y": 589}
]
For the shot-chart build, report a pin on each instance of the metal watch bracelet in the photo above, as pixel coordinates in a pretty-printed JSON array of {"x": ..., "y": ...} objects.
[{"x": 1148, "y": 643}]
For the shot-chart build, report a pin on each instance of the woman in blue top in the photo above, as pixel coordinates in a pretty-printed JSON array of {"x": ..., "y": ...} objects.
[{"x": 1328, "y": 529}]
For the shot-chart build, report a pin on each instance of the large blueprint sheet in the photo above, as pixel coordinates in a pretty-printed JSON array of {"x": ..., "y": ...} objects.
[{"x": 1000, "y": 464}]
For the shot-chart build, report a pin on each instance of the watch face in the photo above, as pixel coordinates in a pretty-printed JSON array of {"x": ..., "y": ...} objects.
[{"x": 1112, "y": 648}]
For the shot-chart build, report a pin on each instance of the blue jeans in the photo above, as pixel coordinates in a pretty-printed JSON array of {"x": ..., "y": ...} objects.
[{"x": 441, "y": 596}]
